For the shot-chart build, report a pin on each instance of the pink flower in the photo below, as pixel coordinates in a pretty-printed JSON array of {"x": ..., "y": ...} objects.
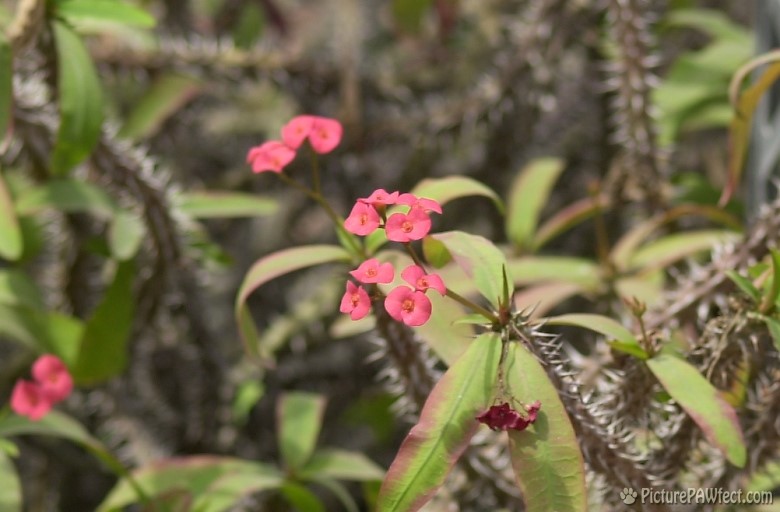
[
  {"x": 405, "y": 227},
  {"x": 29, "y": 399},
  {"x": 270, "y": 156},
  {"x": 503, "y": 417},
  {"x": 362, "y": 220},
  {"x": 428, "y": 205},
  {"x": 408, "y": 306},
  {"x": 296, "y": 130},
  {"x": 380, "y": 197},
  {"x": 355, "y": 301},
  {"x": 324, "y": 134},
  {"x": 416, "y": 276},
  {"x": 52, "y": 376},
  {"x": 371, "y": 271}
]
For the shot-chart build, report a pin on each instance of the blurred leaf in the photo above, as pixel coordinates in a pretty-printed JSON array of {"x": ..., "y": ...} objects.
[
  {"x": 447, "y": 189},
  {"x": 166, "y": 96},
  {"x": 222, "y": 479},
  {"x": 250, "y": 27},
  {"x": 567, "y": 218},
  {"x": 772, "y": 289},
  {"x": 774, "y": 329},
  {"x": 622, "y": 339},
  {"x": 10, "y": 233},
  {"x": 736, "y": 393},
  {"x": 302, "y": 499},
  {"x": 408, "y": 14},
  {"x": 6, "y": 89},
  {"x": 11, "y": 497},
  {"x": 714, "y": 23},
  {"x": 125, "y": 235},
  {"x": 703, "y": 403},
  {"x": 299, "y": 418},
  {"x": 270, "y": 267},
  {"x": 528, "y": 195},
  {"x": 339, "y": 491},
  {"x": 539, "y": 299},
  {"x": 112, "y": 11},
  {"x": 247, "y": 395},
  {"x": 744, "y": 284},
  {"x": 80, "y": 101},
  {"x": 480, "y": 259},
  {"x": 646, "y": 286},
  {"x": 213, "y": 204},
  {"x": 66, "y": 195},
  {"x": 341, "y": 465},
  {"x": 669, "y": 249},
  {"x": 534, "y": 269},
  {"x": 446, "y": 425},
  {"x": 103, "y": 352},
  {"x": 42, "y": 331},
  {"x": 435, "y": 252},
  {"x": 765, "y": 479},
  {"x": 16, "y": 288},
  {"x": 546, "y": 457}
]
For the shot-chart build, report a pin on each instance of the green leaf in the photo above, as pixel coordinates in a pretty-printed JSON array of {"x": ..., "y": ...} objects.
[
  {"x": 621, "y": 338},
  {"x": 447, "y": 424},
  {"x": 216, "y": 482},
  {"x": 567, "y": 218},
  {"x": 541, "y": 298},
  {"x": 774, "y": 329},
  {"x": 270, "y": 267},
  {"x": 125, "y": 235},
  {"x": 6, "y": 88},
  {"x": 546, "y": 457},
  {"x": 435, "y": 252},
  {"x": 42, "y": 331},
  {"x": 535, "y": 269},
  {"x": 11, "y": 497},
  {"x": 11, "y": 245},
  {"x": 299, "y": 418},
  {"x": 527, "y": 197},
  {"x": 408, "y": 14},
  {"x": 713, "y": 23},
  {"x": 248, "y": 394},
  {"x": 447, "y": 189},
  {"x": 212, "y": 205},
  {"x": 480, "y": 259},
  {"x": 80, "y": 101},
  {"x": 16, "y": 288},
  {"x": 703, "y": 403},
  {"x": 341, "y": 465},
  {"x": 672, "y": 248},
  {"x": 302, "y": 499},
  {"x": 772, "y": 290},
  {"x": 167, "y": 95},
  {"x": 744, "y": 284},
  {"x": 339, "y": 491},
  {"x": 67, "y": 195},
  {"x": 103, "y": 352},
  {"x": 112, "y": 11}
]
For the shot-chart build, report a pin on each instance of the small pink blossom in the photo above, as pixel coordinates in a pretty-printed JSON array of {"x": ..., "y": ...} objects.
[
  {"x": 428, "y": 205},
  {"x": 270, "y": 156},
  {"x": 405, "y": 227},
  {"x": 371, "y": 271},
  {"x": 296, "y": 130},
  {"x": 362, "y": 220},
  {"x": 355, "y": 301},
  {"x": 503, "y": 417},
  {"x": 380, "y": 197},
  {"x": 53, "y": 377},
  {"x": 29, "y": 399},
  {"x": 415, "y": 275},
  {"x": 325, "y": 134},
  {"x": 408, "y": 306}
]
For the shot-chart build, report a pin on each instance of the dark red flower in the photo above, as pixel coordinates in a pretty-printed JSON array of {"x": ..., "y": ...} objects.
[{"x": 503, "y": 417}]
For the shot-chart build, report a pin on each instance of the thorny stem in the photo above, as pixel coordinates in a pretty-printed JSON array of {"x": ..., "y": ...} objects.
[{"x": 501, "y": 363}]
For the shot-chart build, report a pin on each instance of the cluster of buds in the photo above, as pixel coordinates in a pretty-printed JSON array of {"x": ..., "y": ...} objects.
[
  {"x": 504, "y": 417},
  {"x": 51, "y": 384},
  {"x": 407, "y": 304},
  {"x": 323, "y": 134}
]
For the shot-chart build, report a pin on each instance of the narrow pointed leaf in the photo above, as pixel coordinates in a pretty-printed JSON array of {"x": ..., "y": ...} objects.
[
  {"x": 481, "y": 260},
  {"x": 774, "y": 329},
  {"x": 299, "y": 418},
  {"x": 10, "y": 233},
  {"x": 11, "y": 497},
  {"x": 527, "y": 197},
  {"x": 6, "y": 89},
  {"x": 568, "y": 218},
  {"x": 546, "y": 457},
  {"x": 341, "y": 465},
  {"x": 744, "y": 284},
  {"x": 620, "y": 337},
  {"x": 270, "y": 267},
  {"x": 168, "y": 94},
  {"x": 447, "y": 423},
  {"x": 703, "y": 403},
  {"x": 80, "y": 101},
  {"x": 213, "y": 205},
  {"x": 672, "y": 248},
  {"x": 535, "y": 269},
  {"x": 450, "y": 188},
  {"x": 112, "y": 11}
]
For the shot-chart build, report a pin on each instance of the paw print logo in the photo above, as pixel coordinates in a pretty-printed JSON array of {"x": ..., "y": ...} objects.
[{"x": 628, "y": 495}]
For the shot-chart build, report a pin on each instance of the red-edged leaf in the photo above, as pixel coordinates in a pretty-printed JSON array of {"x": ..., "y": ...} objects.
[
  {"x": 270, "y": 267},
  {"x": 568, "y": 218},
  {"x": 450, "y": 188},
  {"x": 535, "y": 269},
  {"x": 299, "y": 418},
  {"x": 703, "y": 403},
  {"x": 447, "y": 423},
  {"x": 546, "y": 457},
  {"x": 672, "y": 248}
]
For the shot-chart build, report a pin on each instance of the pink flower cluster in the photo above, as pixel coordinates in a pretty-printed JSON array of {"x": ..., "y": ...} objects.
[
  {"x": 51, "y": 384},
  {"x": 503, "y": 417},
  {"x": 368, "y": 215},
  {"x": 405, "y": 304},
  {"x": 323, "y": 133}
]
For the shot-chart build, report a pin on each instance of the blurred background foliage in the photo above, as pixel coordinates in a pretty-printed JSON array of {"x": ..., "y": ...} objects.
[{"x": 129, "y": 215}]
